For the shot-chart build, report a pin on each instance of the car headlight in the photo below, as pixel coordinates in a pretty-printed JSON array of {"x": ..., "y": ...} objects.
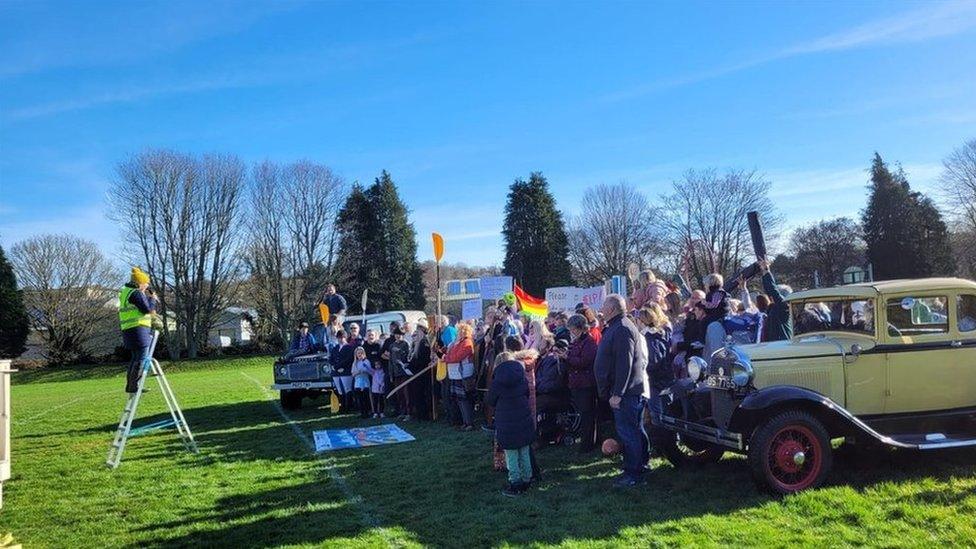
[
  {"x": 696, "y": 366},
  {"x": 742, "y": 372}
]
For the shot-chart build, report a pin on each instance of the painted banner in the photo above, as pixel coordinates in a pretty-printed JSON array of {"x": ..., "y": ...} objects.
[
  {"x": 471, "y": 309},
  {"x": 566, "y": 298},
  {"x": 494, "y": 287},
  {"x": 340, "y": 439}
]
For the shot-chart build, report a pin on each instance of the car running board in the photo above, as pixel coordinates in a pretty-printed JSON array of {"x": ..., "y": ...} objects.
[{"x": 936, "y": 441}]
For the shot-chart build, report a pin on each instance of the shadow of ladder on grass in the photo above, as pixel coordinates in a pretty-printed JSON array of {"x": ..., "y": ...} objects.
[{"x": 367, "y": 515}]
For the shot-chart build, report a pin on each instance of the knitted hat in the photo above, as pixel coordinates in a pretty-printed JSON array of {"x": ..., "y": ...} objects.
[{"x": 139, "y": 277}]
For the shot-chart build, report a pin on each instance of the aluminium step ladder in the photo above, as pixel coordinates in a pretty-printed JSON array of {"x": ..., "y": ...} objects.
[{"x": 149, "y": 367}]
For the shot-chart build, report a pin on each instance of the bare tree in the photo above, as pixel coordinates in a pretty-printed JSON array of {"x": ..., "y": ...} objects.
[
  {"x": 180, "y": 218},
  {"x": 705, "y": 219},
  {"x": 292, "y": 241},
  {"x": 958, "y": 186},
  {"x": 827, "y": 248},
  {"x": 68, "y": 291},
  {"x": 616, "y": 227}
]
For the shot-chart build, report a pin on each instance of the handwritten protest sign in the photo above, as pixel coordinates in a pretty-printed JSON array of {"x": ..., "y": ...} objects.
[
  {"x": 494, "y": 287},
  {"x": 566, "y": 298}
]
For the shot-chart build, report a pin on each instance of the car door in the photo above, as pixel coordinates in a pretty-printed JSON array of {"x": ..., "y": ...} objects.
[
  {"x": 964, "y": 341},
  {"x": 924, "y": 367}
]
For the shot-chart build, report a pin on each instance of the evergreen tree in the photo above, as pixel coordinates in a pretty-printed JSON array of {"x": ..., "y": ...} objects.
[
  {"x": 933, "y": 246},
  {"x": 904, "y": 232},
  {"x": 395, "y": 250},
  {"x": 356, "y": 238},
  {"x": 378, "y": 249},
  {"x": 536, "y": 247},
  {"x": 13, "y": 317}
]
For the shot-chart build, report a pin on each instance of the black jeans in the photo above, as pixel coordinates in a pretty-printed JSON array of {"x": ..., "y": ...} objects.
[
  {"x": 584, "y": 400},
  {"x": 362, "y": 399},
  {"x": 134, "y": 371},
  {"x": 420, "y": 397}
]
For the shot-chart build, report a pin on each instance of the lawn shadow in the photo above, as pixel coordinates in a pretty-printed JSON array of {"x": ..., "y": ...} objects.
[
  {"x": 309, "y": 512},
  {"x": 427, "y": 489}
]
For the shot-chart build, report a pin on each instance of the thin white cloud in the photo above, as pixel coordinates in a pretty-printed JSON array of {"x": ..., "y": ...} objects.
[
  {"x": 934, "y": 20},
  {"x": 129, "y": 95},
  {"x": 123, "y": 34},
  {"x": 268, "y": 70}
]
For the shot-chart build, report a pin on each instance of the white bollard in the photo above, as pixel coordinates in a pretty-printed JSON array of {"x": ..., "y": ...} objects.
[{"x": 5, "y": 372}]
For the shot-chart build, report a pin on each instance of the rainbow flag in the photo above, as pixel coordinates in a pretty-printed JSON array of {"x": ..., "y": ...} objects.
[{"x": 529, "y": 305}]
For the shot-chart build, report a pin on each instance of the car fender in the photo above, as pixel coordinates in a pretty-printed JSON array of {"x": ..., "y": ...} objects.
[{"x": 768, "y": 401}]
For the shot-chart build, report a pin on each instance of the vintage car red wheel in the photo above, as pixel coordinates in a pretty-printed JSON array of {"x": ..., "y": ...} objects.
[
  {"x": 794, "y": 458},
  {"x": 790, "y": 452}
]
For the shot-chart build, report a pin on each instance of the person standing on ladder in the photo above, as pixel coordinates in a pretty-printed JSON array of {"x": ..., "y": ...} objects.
[{"x": 137, "y": 303}]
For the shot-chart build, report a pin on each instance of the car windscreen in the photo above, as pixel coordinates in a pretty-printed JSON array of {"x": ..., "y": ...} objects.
[{"x": 833, "y": 315}]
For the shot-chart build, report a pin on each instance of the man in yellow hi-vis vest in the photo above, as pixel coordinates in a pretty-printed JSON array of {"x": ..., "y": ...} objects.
[{"x": 137, "y": 303}]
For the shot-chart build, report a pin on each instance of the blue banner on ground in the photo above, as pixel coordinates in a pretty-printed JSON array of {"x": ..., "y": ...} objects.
[{"x": 339, "y": 439}]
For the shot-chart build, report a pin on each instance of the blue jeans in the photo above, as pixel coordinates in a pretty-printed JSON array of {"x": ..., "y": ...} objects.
[
  {"x": 633, "y": 437},
  {"x": 519, "y": 464}
]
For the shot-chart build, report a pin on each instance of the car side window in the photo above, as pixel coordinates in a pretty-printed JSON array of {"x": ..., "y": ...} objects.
[
  {"x": 966, "y": 312},
  {"x": 915, "y": 316}
]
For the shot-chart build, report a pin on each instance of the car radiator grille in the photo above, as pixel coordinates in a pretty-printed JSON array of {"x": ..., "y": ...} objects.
[{"x": 308, "y": 371}]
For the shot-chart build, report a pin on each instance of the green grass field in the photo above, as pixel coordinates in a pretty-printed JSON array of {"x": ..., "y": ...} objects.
[{"x": 257, "y": 482}]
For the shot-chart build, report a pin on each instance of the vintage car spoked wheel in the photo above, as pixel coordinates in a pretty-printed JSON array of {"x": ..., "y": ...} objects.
[
  {"x": 682, "y": 453},
  {"x": 790, "y": 452}
]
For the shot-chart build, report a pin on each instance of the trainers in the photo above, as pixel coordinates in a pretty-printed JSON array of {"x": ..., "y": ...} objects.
[{"x": 512, "y": 490}]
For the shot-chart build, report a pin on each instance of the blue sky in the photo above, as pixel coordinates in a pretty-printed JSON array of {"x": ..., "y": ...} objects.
[{"x": 456, "y": 99}]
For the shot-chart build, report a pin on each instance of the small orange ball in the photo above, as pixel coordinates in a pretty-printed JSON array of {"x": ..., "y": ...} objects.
[{"x": 610, "y": 447}]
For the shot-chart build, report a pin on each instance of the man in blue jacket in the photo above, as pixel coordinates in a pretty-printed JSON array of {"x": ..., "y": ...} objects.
[
  {"x": 335, "y": 302},
  {"x": 621, "y": 378}
]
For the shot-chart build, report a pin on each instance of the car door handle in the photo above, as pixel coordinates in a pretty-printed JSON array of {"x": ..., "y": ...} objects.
[{"x": 956, "y": 344}]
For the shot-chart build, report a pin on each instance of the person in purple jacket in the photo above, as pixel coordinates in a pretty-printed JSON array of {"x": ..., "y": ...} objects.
[
  {"x": 582, "y": 383},
  {"x": 137, "y": 303}
]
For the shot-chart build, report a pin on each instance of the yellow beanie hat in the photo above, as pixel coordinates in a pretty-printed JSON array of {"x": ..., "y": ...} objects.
[{"x": 139, "y": 277}]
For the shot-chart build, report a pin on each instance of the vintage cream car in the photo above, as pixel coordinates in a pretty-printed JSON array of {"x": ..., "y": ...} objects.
[{"x": 891, "y": 363}]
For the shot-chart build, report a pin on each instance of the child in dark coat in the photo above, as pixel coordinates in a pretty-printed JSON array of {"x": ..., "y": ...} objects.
[{"x": 514, "y": 429}]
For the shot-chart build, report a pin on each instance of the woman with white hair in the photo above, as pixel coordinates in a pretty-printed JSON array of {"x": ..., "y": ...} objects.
[{"x": 539, "y": 337}]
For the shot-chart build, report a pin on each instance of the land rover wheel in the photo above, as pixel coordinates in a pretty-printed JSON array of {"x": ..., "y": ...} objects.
[
  {"x": 688, "y": 452},
  {"x": 291, "y": 399},
  {"x": 790, "y": 452}
]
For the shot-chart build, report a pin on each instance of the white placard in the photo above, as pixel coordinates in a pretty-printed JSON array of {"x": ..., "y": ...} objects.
[
  {"x": 494, "y": 287},
  {"x": 566, "y": 298},
  {"x": 471, "y": 309}
]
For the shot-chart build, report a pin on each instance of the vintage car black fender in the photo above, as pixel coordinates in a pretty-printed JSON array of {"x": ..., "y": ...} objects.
[{"x": 765, "y": 403}]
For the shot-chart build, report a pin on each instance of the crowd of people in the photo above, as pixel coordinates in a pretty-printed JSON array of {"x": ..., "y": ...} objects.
[{"x": 523, "y": 375}]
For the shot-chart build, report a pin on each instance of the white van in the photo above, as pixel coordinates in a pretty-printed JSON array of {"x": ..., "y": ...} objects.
[{"x": 381, "y": 321}]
